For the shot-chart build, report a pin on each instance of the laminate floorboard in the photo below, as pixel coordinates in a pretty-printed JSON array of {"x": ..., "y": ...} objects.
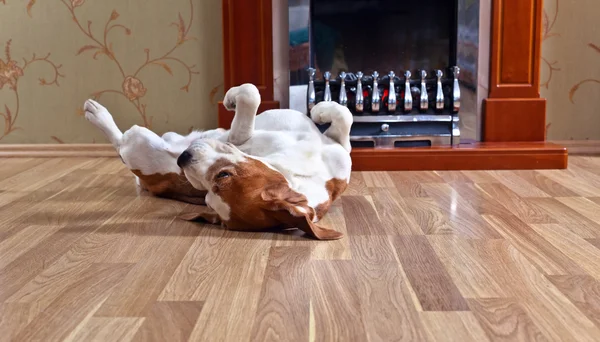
[{"x": 426, "y": 256}]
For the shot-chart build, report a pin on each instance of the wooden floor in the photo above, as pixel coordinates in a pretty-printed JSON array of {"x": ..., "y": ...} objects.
[{"x": 428, "y": 256}]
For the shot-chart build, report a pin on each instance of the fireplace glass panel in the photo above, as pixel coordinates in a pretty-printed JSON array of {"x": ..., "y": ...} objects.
[{"x": 383, "y": 36}]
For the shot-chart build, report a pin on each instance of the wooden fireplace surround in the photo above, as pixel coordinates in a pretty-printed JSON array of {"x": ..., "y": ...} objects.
[{"x": 514, "y": 115}]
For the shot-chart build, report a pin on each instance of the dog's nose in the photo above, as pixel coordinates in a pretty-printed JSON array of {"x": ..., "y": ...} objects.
[{"x": 184, "y": 159}]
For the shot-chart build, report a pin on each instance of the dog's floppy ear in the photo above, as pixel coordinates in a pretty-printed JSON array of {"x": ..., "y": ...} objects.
[{"x": 291, "y": 210}]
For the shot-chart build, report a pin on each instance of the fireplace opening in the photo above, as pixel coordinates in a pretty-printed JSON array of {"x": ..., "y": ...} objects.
[
  {"x": 382, "y": 35},
  {"x": 407, "y": 70}
]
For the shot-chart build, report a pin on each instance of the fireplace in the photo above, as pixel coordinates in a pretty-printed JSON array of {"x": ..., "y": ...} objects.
[
  {"x": 496, "y": 122},
  {"x": 401, "y": 67}
]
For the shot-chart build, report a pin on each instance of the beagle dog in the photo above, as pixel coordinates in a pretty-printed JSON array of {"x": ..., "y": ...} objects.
[{"x": 275, "y": 170}]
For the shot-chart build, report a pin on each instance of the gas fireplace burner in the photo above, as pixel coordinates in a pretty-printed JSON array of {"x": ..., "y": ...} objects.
[{"x": 392, "y": 111}]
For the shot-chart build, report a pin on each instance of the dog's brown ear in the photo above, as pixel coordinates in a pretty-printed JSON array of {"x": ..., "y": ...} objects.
[
  {"x": 206, "y": 216},
  {"x": 304, "y": 223},
  {"x": 291, "y": 210}
]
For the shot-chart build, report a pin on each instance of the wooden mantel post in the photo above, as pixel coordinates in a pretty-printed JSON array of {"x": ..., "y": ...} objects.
[
  {"x": 514, "y": 111},
  {"x": 248, "y": 50}
]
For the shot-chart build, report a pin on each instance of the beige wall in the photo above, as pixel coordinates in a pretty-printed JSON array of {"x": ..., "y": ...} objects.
[
  {"x": 571, "y": 69},
  {"x": 180, "y": 84},
  {"x": 154, "y": 63}
]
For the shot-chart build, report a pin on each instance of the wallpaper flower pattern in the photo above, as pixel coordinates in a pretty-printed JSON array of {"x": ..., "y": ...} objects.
[
  {"x": 570, "y": 79},
  {"x": 547, "y": 33},
  {"x": 588, "y": 80},
  {"x": 10, "y": 73},
  {"x": 140, "y": 61}
]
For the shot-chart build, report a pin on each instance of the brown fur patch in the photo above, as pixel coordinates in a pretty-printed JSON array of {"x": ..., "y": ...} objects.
[
  {"x": 217, "y": 166},
  {"x": 171, "y": 185},
  {"x": 242, "y": 192},
  {"x": 335, "y": 187},
  {"x": 260, "y": 199}
]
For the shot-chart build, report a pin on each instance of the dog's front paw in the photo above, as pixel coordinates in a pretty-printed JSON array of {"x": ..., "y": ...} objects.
[{"x": 247, "y": 93}]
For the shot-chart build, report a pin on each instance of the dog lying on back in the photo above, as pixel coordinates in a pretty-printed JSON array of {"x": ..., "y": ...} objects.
[{"x": 274, "y": 170}]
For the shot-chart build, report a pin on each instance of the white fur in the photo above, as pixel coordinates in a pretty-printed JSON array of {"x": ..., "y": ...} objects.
[
  {"x": 140, "y": 148},
  {"x": 284, "y": 139},
  {"x": 218, "y": 205}
]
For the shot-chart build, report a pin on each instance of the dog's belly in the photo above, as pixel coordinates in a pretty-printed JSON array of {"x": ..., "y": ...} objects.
[{"x": 284, "y": 120}]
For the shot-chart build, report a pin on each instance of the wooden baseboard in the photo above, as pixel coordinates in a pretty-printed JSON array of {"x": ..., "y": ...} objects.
[
  {"x": 580, "y": 147},
  {"x": 57, "y": 150},
  {"x": 478, "y": 156}
]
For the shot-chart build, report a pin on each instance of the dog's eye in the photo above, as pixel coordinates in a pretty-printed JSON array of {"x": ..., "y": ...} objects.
[{"x": 223, "y": 174}]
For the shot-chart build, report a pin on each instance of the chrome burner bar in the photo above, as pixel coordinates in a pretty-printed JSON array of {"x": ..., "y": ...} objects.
[
  {"x": 420, "y": 108},
  {"x": 389, "y": 141},
  {"x": 406, "y": 118}
]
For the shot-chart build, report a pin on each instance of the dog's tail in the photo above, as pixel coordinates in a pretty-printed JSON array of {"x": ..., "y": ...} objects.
[{"x": 340, "y": 118}]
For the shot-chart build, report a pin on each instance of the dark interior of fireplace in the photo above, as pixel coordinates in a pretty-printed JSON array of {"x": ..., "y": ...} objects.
[{"x": 382, "y": 35}]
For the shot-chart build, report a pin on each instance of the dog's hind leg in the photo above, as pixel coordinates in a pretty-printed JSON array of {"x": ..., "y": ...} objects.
[
  {"x": 101, "y": 118},
  {"x": 340, "y": 118},
  {"x": 152, "y": 159},
  {"x": 245, "y": 100}
]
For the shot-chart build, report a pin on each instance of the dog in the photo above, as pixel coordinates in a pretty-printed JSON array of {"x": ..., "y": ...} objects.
[{"x": 275, "y": 170}]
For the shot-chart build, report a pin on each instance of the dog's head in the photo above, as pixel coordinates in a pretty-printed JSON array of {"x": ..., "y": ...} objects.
[{"x": 245, "y": 192}]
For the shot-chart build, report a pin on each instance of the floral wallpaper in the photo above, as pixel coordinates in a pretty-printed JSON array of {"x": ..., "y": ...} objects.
[
  {"x": 152, "y": 63},
  {"x": 570, "y": 79}
]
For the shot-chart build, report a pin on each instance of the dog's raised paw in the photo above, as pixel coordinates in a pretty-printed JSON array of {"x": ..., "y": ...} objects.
[
  {"x": 321, "y": 113},
  {"x": 245, "y": 92}
]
